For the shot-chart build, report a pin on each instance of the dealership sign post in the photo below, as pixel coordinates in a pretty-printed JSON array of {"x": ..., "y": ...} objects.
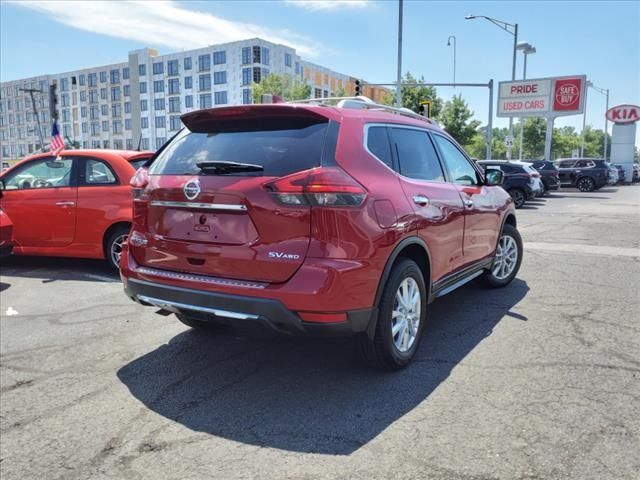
[
  {"x": 623, "y": 135},
  {"x": 543, "y": 97}
]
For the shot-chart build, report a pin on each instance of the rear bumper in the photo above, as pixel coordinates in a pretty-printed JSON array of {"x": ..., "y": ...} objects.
[
  {"x": 5, "y": 249},
  {"x": 601, "y": 181},
  {"x": 335, "y": 297},
  {"x": 529, "y": 192},
  {"x": 241, "y": 311},
  {"x": 551, "y": 182}
]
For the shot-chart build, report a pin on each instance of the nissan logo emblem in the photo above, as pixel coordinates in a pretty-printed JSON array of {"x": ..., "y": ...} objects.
[{"x": 192, "y": 189}]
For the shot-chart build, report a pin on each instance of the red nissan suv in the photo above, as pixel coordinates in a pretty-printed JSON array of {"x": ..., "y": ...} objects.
[{"x": 316, "y": 218}]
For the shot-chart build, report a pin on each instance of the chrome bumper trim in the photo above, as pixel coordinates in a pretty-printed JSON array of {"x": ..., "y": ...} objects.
[
  {"x": 175, "y": 307},
  {"x": 192, "y": 277},
  {"x": 206, "y": 206}
]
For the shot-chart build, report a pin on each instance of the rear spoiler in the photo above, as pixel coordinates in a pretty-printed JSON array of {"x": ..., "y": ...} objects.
[{"x": 253, "y": 117}]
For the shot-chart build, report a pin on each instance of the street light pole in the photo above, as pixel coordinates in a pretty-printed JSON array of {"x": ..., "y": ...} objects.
[
  {"x": 606, "y": 120},
  {"x": 513, "y": 77},
  {"x": 399, "y": 77},
  {"x": 454, "y": 54},
  {"x": 526, "y": 50},
  {"x": 606, "y": 127},
  {"x": 511, "y": 28},
  {"x": 584, "y": 122},
  {"x": 524, "y": 77}
]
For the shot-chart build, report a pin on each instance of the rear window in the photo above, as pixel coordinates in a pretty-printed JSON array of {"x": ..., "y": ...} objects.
[
  {"x": 138, "y": 163},
  {"x": 543, "y": 166},
  {"x": 565, "y": 163},
  {"x": 279, "y": 151}
]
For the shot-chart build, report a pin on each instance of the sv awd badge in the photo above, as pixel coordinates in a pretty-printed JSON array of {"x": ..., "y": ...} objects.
[{"x": 284, "y": 256}]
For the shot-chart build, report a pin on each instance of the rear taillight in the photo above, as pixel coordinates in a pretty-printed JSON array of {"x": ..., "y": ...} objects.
[
  {"x": 322, "y": 187},
  {"x": 139, "y": 181},
  {"x": 535, "y": 175},
  {"x": 138, "y": 184}
]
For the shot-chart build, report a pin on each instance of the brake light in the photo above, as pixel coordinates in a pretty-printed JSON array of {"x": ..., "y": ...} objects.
[
  {"x": 138, "y": 184},
  {"x": 322, "y": 187},
  {"x": 139, "y": 181},
  {"x": 141, "y": 178}
]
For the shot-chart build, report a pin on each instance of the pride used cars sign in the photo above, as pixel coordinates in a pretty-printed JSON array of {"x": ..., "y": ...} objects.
[{"x": 542, "y": 97}]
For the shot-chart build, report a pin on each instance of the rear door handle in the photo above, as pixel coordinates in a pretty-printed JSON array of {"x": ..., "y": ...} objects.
[
  {"x": 65, "y": 204},
  {"x": 421, "y": 200},
  {"x": 468, "y": 202}
]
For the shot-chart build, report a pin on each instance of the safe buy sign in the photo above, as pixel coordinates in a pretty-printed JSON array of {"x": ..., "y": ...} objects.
[{"x": 542, "y": 97}]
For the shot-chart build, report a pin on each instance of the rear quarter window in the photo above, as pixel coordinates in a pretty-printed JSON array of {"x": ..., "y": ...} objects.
[
  {"x": 378, "y": 144},
  {"x": 280, "y": 151}
]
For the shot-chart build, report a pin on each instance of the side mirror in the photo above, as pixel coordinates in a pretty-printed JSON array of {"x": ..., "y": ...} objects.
[{"x": 493, "y": 177}]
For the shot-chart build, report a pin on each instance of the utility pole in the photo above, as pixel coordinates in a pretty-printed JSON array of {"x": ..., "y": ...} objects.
[
  {"x": 606, "y": 127},
  {"x": 584, "y": 123},
  {"x": 399, "y": 78},
  {"x": 35, "y": 112}
]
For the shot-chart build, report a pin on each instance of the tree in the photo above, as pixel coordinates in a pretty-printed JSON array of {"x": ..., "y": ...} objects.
[
  {"x": 340, "y": 92},
  {"x": 533, "y": 140},
  {"x": 455, "y": 117},
  {"x": 411, "y": 95},
  {"x": 283, "y": 85}
]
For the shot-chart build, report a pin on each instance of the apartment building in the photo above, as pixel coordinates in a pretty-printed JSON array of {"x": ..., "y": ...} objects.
[{"x": 138, "y": 103}]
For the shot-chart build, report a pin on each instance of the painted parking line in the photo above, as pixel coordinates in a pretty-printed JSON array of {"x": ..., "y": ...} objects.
[
  {"x": 583, "y": 249},
  {"x": 102, "y": 278}
]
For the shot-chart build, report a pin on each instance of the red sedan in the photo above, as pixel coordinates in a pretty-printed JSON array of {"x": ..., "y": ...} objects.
[{"x": 77, "y": 204}]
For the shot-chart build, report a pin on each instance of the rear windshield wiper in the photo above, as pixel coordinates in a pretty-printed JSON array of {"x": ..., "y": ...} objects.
[{"x": 220, "y": 168}]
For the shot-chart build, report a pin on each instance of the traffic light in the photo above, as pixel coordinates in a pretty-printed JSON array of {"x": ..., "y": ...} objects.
[
  {"x": 53, "y": 102},
  {"x": 424, "y": 108},
  {"x": 358, "y": 88}
]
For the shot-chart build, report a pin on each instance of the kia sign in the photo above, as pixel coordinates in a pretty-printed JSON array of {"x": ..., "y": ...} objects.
[
  {"x": 624, "y": 114},
  {"x": 542, "y": 97}
]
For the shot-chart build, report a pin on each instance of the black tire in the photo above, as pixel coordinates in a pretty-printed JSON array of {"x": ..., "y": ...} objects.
[
  {"x": 586, "y": 184},
  {"x": 518, "y": 196},
  {"x": 113, "y": 243},
  {"x": 382, "y": 352},
  {"x": 545, "y": 190},
  {"x": 488, "y": 278}
]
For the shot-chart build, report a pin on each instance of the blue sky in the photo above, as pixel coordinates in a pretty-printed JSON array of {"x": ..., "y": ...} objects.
[{"x": 598, "y": 38}]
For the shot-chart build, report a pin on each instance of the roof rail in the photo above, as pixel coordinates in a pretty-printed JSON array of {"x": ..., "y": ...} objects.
[{"x": 362, "y": 103}]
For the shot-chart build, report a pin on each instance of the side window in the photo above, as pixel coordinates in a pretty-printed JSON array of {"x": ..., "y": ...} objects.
[
  {"x": 416, "y": 155},
  {"x": 567, "y": 163},
  {"x": 461, "y": 171},
  {"x": 46, "y": 172},
  {"x": 97, "y": 172},
  {"x": 378, "y": 144}
]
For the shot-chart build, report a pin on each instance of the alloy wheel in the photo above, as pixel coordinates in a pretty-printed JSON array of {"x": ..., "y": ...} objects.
[
  {"x": 585, "y": 184},
  {"x": 506, "y": 258},
  {"x": 116, "y": 248},
  {"x": 405, "y": 317}
]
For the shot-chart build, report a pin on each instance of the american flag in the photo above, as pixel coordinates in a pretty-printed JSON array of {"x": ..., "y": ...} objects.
[{"x": 57, "y": 144}]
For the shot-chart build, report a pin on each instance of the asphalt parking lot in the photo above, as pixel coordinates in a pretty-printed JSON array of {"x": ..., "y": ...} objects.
[{"x": 540, "y": 380}]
